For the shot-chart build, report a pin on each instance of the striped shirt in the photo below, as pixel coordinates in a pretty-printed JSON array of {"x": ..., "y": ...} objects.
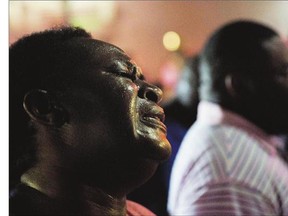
[{"x": 228, "y": 166}]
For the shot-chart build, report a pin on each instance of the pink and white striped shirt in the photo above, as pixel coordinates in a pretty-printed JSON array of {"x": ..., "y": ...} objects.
[{"x": 227, "y": 166}]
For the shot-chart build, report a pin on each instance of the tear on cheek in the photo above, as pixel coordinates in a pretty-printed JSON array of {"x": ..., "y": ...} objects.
[{"x": 132, "y": 88}]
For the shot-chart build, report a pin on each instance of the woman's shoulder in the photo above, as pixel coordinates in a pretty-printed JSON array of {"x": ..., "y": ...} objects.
[{"x": 135, "y": 209}]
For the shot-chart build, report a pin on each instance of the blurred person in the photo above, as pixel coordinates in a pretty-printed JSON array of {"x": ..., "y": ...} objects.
[
  {"x": 85, "y": 126},
  {"x": 230, "y": 161},
  {"x": 180, "y": 113}
]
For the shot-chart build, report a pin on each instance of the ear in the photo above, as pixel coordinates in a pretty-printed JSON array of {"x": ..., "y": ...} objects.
[
  {"x": 41, "y": 107},
  {"x": 230, "y": 84},
  {"x": 240, "y": 86}
]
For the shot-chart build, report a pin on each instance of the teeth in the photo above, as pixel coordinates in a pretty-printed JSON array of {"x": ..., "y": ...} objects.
[{"x": 153, "y": 117}]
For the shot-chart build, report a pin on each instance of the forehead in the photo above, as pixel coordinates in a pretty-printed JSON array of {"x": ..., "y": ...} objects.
[
  {"x": 95, "y": 53},
  {"x": 84, "y": 59}
]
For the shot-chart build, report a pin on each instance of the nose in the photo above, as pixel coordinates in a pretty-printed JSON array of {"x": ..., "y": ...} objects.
[{"x": 149, "y": 92}]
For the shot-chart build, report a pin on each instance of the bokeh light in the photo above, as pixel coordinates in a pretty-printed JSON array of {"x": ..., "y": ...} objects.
[{"x": 171, "y": 41}]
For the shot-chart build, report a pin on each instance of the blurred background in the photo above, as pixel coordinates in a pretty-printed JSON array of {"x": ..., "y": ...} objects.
[{"x": 158, "y": 35}]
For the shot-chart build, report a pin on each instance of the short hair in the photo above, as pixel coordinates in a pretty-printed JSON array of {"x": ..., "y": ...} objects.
[
  {"x": 34, "y": 62},
  {"x": 235, "y": 48}
]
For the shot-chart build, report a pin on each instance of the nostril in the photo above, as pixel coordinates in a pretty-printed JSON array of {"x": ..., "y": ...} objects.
[
  {"x": 151, "y": 95},
  {"x": 148, "y": 91}
]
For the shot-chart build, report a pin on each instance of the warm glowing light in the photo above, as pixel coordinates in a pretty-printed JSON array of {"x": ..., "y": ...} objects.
[{"x": 171, "y": 41}]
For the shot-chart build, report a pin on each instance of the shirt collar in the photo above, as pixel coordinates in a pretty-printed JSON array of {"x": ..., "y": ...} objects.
[{"x": 213, "y": 114}]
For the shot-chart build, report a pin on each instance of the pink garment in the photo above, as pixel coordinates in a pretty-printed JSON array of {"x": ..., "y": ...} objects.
[
  {"x": 135, "y": 209},
  {"x": 228, "y": 166}
]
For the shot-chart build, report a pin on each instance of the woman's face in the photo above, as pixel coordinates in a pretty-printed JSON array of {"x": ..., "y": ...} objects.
[{"x": 115, "y": 124}]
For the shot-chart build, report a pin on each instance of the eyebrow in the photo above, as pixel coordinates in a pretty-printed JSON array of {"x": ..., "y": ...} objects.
[{"x": 140, "y": 75}]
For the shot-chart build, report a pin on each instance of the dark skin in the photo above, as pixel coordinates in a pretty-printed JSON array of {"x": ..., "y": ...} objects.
[
  {"x": 276, "y": 89},
  {"x": 102, "y": 136},
  {"x": 262, "y": 100}
]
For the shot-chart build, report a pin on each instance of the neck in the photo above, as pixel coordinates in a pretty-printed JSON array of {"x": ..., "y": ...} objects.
[
  {"x": 97, "y": 201},
  {"x": 71, "y": 194}
]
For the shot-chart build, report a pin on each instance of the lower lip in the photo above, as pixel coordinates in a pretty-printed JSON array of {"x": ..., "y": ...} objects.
[{"x": 154, "y": 123}]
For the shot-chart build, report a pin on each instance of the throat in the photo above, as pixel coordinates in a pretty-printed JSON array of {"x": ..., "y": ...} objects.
[{"x": 98, "y": 202}]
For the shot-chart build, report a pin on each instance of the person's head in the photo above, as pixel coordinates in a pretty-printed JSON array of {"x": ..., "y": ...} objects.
[
  {"x": 244, "y": 68},
  {"x": 82, "y": 105},
  {"x": 187, "y": 86}
]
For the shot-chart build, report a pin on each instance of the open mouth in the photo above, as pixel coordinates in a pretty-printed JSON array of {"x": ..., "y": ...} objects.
[{"x": 155, "y": 120}]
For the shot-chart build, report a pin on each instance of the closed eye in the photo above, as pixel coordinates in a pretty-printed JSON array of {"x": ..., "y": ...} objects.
[
  {"x": 126, "y": 70},
  {"x": 127, "y": 75}
]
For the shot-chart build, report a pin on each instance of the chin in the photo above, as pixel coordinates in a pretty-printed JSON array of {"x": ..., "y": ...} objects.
[
  {"x": 151, "y": 140},
  {"x": 161, "y": 152},
  {"x": 155, "y": 149}
]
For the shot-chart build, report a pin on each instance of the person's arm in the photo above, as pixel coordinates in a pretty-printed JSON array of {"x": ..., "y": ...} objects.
[{"x": 224, "y": 199}]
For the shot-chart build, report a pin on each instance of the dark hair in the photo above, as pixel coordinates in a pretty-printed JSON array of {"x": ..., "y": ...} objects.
[
  {"x": 34, "y": 61},
  {"x": 235, "y": 48}
]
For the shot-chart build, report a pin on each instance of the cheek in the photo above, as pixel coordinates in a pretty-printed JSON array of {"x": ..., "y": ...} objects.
[
  {"x": 124, "y": 106},
  {"x": 104, "y": 116},
  {"x": 124, "y": 99}
]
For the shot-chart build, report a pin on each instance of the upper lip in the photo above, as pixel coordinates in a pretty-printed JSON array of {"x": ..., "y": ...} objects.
[
  {"x": 154, "y": 116},
  {"x": 156, "y": 113}
]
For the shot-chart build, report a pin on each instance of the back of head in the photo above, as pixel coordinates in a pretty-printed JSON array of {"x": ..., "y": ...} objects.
[
  {"x": 243, "y": 68},
  {"x": 236, "y": 48},
  {"x": 33, "y": 62}
]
